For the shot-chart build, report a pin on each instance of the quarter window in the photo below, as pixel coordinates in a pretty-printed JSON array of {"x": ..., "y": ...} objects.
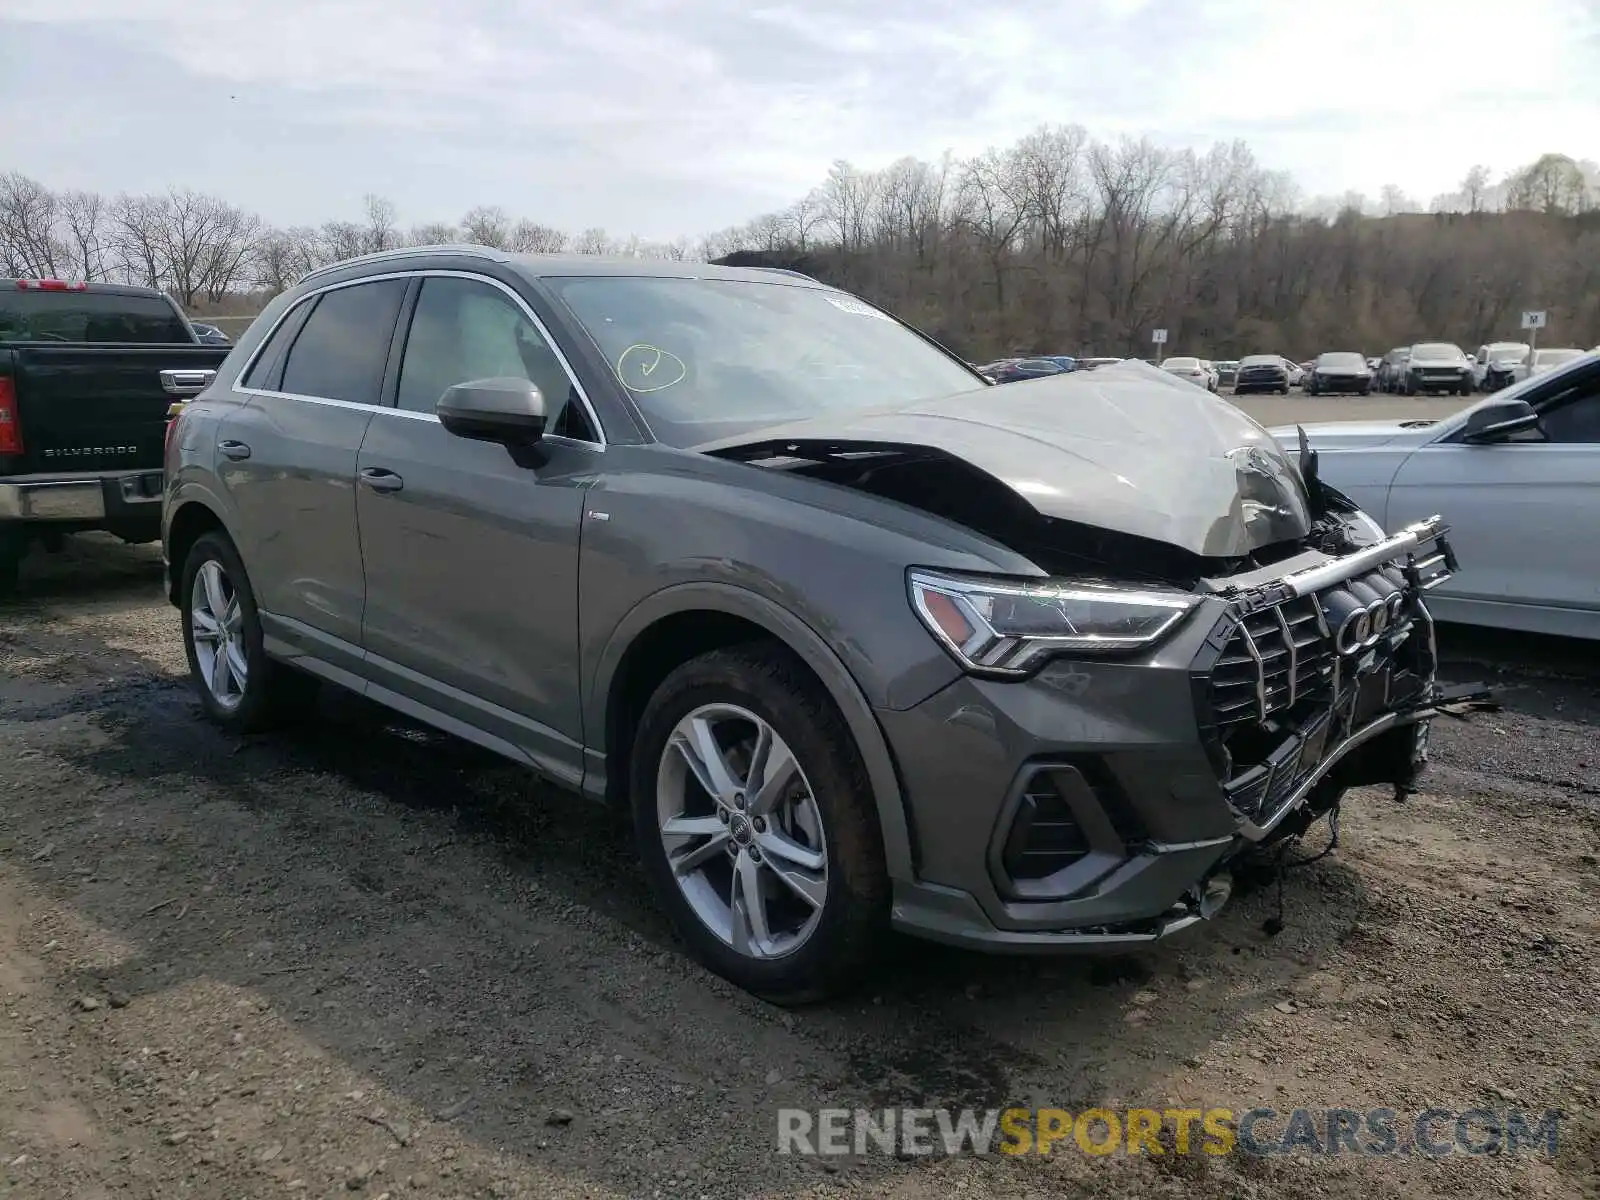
[
  {"x": 344, "y": 344},
  {"x": 464, "y": 330}
]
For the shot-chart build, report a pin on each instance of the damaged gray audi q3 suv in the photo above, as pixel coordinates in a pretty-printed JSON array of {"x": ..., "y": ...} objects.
[{"x": 862, "y": 641}]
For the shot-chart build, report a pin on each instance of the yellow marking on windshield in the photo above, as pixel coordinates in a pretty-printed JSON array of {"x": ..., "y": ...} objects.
[{"x": 647, "y": 360}]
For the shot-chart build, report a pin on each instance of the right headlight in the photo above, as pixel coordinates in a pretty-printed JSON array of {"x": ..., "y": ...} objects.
[{"x": 1006, "y": 627}]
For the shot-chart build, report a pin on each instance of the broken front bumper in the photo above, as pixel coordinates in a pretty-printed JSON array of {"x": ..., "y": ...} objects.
[{"x": 1125, "y": 789}]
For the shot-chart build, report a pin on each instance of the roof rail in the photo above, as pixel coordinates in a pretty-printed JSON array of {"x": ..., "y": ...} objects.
[{"x": 466, "y": 248}]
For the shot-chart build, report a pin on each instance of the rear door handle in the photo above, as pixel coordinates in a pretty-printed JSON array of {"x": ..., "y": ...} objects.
[
  {"x": 381, "y": 480},
  {"x": 237, "y": 451}
]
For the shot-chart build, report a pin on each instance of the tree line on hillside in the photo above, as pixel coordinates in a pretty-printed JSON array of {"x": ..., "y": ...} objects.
[{"x": 1060, "y": 243}]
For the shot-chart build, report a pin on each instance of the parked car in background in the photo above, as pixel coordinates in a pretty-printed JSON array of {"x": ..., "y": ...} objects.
[
  {"x": 870, "y": 653},
  {"x": 1227, "y": 372},
  {"x": 209, "y": 335},
  {"x": 1297, "y": 373},
  {"x": 1094, "y": 364},
  {"x": 1014, "y": 370},
  {"x": 1066, "y": 362},
  {"x": 1339, "y": 371},
  {"x": 1188, "y": 368},
  {"x": 87, "y": 374},
  {"x": 1215, "y": 377},
  {"x": 1372, "y": 365},
  {"x": 1516, "y": 472},
  {"x": 1548, "y": 360},
  {"x": 1392, "y": 371},
  {"x": 1496, "y": 364},
  {"x": 1437, "y": 368},
  {"x": 1262, "y": 373}
]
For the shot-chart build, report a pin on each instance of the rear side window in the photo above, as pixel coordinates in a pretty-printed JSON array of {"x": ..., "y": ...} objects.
[
  {"x": 344, "y": 344},
  {"x": 36, "y": 316}
]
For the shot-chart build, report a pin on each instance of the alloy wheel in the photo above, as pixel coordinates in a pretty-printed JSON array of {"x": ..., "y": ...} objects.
[
  {"x": 216, "y": 623},
  {"x": 742, "y": 831}
]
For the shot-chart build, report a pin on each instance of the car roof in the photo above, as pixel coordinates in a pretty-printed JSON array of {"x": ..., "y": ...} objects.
[{"x": 551, "y": 266}]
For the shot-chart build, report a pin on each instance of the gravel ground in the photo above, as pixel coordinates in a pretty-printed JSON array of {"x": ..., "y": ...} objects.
[{"x": 361, "y": 959}]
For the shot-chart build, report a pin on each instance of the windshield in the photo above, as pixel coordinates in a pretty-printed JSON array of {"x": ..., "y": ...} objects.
[
  {"x": 1435, "y": 350},
  {"x": 1261, "y": 360},
  {"x": 1338, "y": 361},
  {"x": 1182, "y": 364},
  {"x": 1508, "y": 353},
  {"x": 89, "y": 317},
  {"x": 713, "y": 358}
]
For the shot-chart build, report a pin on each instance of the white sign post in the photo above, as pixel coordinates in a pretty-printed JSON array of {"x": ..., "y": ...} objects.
[
  {"x": 1159, "y": 337},
  {"x": 1533, "y": 322}
]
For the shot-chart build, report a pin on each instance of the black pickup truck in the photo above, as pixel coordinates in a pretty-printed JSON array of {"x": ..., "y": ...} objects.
[{"x": 87, "y": 373}]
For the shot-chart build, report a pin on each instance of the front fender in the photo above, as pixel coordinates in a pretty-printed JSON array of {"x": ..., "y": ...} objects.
[{"x": 811, "y": 648}]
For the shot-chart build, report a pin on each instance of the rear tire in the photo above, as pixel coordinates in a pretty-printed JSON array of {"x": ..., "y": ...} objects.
[
  {"x": 240, "y": 688},
  {"x": 821, "y": 920}
]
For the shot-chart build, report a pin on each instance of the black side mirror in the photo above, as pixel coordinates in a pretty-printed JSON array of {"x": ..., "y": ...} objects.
[
  {"x": 1499, "y": 420},
  {"x": 508, "y": 410}
]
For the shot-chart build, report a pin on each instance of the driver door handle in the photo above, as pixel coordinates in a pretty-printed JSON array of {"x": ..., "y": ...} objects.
[
  {"x": 237, "y": 451},
  {"x": 379, "y": 479}
]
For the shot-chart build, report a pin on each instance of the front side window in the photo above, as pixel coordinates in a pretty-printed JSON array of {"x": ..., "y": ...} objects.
[
  {"x": 1577, "y": 421},
  {"x": 710, "y": 358},
  {"x": 342, "y": 348},
  {"x": 463, "y": 330}
]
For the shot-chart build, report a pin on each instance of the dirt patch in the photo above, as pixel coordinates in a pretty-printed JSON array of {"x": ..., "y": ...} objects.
[{"x": 359, "y": 958}]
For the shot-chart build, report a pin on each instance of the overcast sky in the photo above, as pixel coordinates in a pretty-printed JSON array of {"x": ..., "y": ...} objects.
[{"x": 667, "y": 117}]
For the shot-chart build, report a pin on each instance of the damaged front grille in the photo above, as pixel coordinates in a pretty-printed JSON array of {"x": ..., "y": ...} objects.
[
  {"x": 1273, "y": 657},
  {"x": 1298, "y": 664}
]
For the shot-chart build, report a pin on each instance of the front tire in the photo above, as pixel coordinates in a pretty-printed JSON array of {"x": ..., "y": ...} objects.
[
  {"x": 240, "y": 688},
  {"x": 755, "y": 823}
]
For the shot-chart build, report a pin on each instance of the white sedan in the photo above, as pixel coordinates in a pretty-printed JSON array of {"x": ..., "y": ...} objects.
[
  {"x": 1191, "y": 369},
  {"x": 1516, "y": 477}
]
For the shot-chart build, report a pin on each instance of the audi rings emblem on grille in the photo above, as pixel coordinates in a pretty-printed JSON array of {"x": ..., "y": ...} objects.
[
  {"x": 1348, "y": 618},
  {"x": 1362, "y": 611}
]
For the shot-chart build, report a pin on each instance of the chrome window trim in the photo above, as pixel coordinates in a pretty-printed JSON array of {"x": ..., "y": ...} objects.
[{"x": 597, "y": 443}]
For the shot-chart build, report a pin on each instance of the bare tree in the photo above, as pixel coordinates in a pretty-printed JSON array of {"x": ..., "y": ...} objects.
[
  {"x": 28, "y": 227},
  {"x": 137, "y": 239},
  {"x": 437, "y": 233},
  {"x": 529, "y": 237},
  {"x": 593, "y": 241},
  {"x": 281, "y": 257},
  {"x": 84, "y": 219},
  {"x": 995, "y": 205},
  {"x": 846, "y": 200},
  {"x": 381, "y": 231},
  {"x": 1553, "y": 184},
  {"x": 487, "y": 226}
]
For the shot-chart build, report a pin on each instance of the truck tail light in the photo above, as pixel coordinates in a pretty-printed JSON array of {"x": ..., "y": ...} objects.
[
  {"x": 10, "y": 419},
  {"x": 52, "y": 285}
]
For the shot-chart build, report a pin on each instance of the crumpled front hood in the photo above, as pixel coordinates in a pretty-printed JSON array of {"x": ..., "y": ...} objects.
[{"x": 1127, "y": 448}]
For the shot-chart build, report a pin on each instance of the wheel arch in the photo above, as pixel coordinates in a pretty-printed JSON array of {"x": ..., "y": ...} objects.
[
  {"x": 678, "y": 623},
  {"x": 192, "y": 519}
]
